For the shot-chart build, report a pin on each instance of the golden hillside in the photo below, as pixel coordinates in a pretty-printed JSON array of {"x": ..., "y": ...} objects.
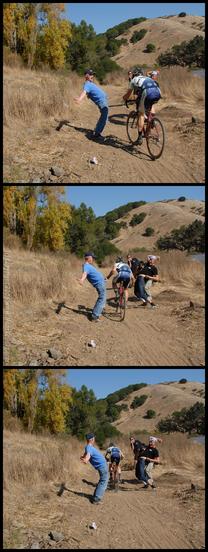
[
  {"x": 164, "y": 398},
  {"x": 163, "y": 216},
  {"x": 164, "y": 32}
]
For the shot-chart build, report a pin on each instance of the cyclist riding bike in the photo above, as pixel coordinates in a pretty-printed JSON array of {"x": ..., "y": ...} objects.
[
  {"x": 122, "y": 273},
  {"x": 116, "y": 456},
  {"x": 148, "y": 93}
]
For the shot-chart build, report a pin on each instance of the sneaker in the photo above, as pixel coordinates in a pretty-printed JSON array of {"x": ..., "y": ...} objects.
[
  {"x": 93, "y": 501},
  {"x": 140, "y": 140},
  {"x": 95, "y": 319},
  {"x": 98, "y": 137},
  {"x": 145, "y": 486}
]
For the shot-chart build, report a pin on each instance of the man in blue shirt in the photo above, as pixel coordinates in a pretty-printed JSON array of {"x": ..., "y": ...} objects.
[
  {"x": 94, "y": 93},
  {"x": 98, "y": 462},
  {"x": 97, "y": 280}
]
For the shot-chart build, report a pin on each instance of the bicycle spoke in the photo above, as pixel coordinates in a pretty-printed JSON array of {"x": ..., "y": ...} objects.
[
  {"x": 156, "y": 139},
  {"x": 132, "y": 127}
]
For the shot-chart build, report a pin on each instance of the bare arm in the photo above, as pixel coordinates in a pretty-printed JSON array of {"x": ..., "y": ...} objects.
[
  {"x": 155, "y": 278},
  {"x": 83, "y": 278},
  {"x": 127, "y": 95},
  {"x": 85, "y": 457},
  {"x": 78, "y": 99},
  {"x": 113, "y": 271},
  {"x": 155, "y": 460}
]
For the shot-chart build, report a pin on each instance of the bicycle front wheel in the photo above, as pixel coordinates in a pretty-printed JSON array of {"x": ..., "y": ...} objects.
[
  {"x": 156, "y": 138},
  {"x": 132, "y": 127}
]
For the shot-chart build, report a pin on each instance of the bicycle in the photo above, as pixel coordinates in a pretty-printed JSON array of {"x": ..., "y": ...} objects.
[
  {"x": 153, "y": 131},
  {"x": 120, "y": 301}
]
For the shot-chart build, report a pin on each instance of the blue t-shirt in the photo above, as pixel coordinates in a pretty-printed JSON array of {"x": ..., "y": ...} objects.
[
  {"x": 95, "y": 94},
  {"x": 96, "y": 458},
  {"x": 93, "y": 275}
]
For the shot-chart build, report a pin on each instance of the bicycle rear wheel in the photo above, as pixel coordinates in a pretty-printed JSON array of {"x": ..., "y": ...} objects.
[
  {"x": 122, "y": 306},
  {"x": 132, "y": 127},
  {"x": 156, "y": 139}
]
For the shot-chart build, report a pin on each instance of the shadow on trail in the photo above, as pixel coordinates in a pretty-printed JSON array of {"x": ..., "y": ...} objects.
[
  {"x": 85, "y": 311},
  {"x": 110, "y": 140},
  {"x": 89, "y": 483},
  {"x": 115, "y": 120}
]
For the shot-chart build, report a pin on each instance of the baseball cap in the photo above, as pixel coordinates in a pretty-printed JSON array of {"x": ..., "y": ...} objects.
[
  {"x": 90, "y": 254},
  {"x": 89, "y": 436},
  {"x": 89, "y": 72}
]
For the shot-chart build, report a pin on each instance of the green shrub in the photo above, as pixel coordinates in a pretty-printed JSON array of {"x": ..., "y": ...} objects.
[
  {"x": 150, "y": 414},
  {"x": 138, "y": 35},
  {"x": 150, "y": 47},
  {"x": 182, "y": 198},
  {"x": 149, "y": 231},
  {"x": 183, "y": 380},
  {"x": 138, "y": 401},
  {"x": 182, "y": 14},
  {"x": 137, "y": 219}
]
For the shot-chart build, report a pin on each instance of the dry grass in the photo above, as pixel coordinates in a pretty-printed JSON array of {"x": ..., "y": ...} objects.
[
  {"x": 30, "y": 460},
  {"x": 39, "y": 276},
  {"x": 33, "y": 95},
  {"x": 178, "y": 83},
  {"x": 175, "y": 267}
]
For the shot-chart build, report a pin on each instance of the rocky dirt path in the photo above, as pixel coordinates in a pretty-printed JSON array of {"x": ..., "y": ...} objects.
[
  {"x": 170, "y": 517},
  {"x": 170, "y": 335},
  {"x": 30, "y": 152}
]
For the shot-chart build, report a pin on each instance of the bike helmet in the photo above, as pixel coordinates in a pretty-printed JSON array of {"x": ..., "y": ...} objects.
[
  {"x": 111, "y": 445},
  {"x": 138, "y": 71}
]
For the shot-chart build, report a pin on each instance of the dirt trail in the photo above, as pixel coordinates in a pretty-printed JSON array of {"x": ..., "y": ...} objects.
[
  {"x": 170, "y": 517},
  {"x": 170, "y": 335},
  {"x": 30, "y": 152}
]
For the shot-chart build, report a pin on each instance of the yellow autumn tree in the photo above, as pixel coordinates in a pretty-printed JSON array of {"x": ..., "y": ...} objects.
[
  {"x": 54, "y": 218},
  {"x": 9, "y": 210},
  {"x": 37, "y": 32},
  {"x": 55, "y": 400},
  {"x": 9, "y": 25},
  {"x": 10, "y": 378}
]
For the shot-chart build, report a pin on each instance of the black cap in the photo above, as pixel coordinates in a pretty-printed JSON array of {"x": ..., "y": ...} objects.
[
  {"x": 89, "y": 436},
  {"x": 90, "y": 254},
  {"x": 89, "y": 72}
]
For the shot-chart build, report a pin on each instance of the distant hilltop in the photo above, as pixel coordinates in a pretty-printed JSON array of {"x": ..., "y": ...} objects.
[
  {"x": 163, "y": 399},
  {"x": 162, "y": 217},
  {"x": 163, "y": 32}
]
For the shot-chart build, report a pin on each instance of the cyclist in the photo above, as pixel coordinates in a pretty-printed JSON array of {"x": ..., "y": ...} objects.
[
  {"x": 124, "y": 274},
  {"x": 148, "y": 93},
  {"x": 116, "y": 456}
]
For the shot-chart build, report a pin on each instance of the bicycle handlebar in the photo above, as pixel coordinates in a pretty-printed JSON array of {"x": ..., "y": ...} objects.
[{"x": 129, "y": 102}]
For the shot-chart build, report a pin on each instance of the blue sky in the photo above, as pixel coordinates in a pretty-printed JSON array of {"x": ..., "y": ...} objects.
[
  {"x": 106, "y": 198},
  {"x": 106, "y": 380},
  {"x": 103, "y": 15}
]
